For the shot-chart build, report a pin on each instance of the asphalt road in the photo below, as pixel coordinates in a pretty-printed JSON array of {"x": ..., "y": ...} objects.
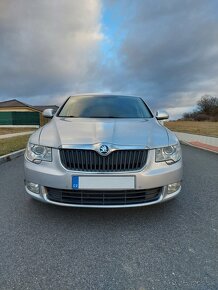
[{"x": 168, "y": 246}]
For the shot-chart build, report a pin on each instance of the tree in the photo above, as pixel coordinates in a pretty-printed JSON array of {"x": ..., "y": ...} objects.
[
  {"x": 190, "y": 115},
  {"x": 208, "y": 105},
  {"x": 207, "y": 109}
]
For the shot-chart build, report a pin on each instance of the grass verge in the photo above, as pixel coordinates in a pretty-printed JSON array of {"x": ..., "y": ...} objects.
[
  {"x": 204, "y": 128},
  {"x": 9, "y": 145},
  {"x": 7, "y": 130}
]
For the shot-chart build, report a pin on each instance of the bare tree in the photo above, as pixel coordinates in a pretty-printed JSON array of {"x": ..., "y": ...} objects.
[
  {"x": 207, "y": 109},
  {"x": 208, "y": 105}
]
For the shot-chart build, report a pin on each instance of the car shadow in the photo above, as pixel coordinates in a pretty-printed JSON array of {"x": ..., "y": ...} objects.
[{"x": 73, "y": 215}]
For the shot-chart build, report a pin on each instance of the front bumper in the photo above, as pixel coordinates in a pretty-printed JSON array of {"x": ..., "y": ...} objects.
[{"x": 54, "y": 175}]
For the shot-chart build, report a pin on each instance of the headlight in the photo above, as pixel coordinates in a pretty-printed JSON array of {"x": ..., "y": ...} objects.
[
  {"x": 170, "y": 154},
  {"x": 38, "y": 153}
]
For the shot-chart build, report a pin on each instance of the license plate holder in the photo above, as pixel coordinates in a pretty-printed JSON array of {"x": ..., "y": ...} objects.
[{"x": 103, "y": 182}]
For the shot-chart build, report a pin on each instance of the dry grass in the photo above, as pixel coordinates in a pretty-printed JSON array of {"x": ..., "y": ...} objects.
[
  {"x": 9, "y": 145},
  {"x": 205, "y": 128},
  {"x": 8, "y": 130}
]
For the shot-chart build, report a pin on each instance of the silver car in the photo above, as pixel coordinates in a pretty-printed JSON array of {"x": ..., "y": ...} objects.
[{"x": 103, "y": 151}]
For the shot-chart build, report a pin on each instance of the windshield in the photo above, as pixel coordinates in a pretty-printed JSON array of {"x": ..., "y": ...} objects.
[{"x": 105, "y": 107}]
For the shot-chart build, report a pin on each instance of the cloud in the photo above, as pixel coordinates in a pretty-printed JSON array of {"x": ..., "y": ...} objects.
[
  {"x": 164, "y": 51},
  {"x": 169, "y": 52},
  {"x": 47, "y": 47}
]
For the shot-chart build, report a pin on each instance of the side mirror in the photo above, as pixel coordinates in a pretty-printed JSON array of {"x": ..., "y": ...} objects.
[
  {"x": 48, "y": 113},
  {"x": 162, "y": 115}
]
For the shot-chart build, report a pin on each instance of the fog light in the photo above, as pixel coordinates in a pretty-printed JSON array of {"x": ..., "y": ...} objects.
[
  {"x": 173, "y": 187},
  {"x": 33, "y": 187}
]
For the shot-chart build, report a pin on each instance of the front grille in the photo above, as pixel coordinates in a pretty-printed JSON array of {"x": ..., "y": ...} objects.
[
  {"x": 110, "y": 198},
  {"x": 91, "y": 161}
]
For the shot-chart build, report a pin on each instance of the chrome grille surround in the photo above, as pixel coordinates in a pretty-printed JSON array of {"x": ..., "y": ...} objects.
[{"x": 88, "y": 160}]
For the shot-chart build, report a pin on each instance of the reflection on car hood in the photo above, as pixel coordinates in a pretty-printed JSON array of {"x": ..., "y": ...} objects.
[{"x": 78, "y": 131}]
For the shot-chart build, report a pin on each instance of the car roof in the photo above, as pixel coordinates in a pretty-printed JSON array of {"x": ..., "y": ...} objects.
[{"x": 104, "y": 95}]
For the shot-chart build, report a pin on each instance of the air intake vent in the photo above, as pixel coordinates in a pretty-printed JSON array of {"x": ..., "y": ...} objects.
[{"x": 106, "y": 198}]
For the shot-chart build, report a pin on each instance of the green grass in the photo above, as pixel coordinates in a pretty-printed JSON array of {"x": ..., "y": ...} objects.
[
  {"x": 204, "y": 128},
  {"x": 12, "y": 144}
]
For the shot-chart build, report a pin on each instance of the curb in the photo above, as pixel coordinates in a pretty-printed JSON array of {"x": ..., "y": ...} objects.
[
  {"x": 189, "y": 144},
  {"x": 6, "y": 136},
  {"x": 207, "y": 140},
  {"x": 10, "y": 156}
]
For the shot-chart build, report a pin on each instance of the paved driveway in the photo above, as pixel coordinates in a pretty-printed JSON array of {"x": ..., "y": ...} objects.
[{"x": 168, "y": 246}]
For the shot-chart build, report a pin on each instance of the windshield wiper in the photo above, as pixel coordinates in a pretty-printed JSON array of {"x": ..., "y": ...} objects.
[
  {"x": 68, "y": 116},
  {"x": 109, "y": 117}
]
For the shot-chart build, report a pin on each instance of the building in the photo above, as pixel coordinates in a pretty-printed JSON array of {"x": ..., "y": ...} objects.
[{"x": 15, "y": 113}]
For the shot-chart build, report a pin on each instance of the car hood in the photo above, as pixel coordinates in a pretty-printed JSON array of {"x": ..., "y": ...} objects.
[{"x": 132, "y": 132}]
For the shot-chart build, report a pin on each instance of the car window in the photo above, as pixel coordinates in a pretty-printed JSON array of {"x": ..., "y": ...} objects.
[{"x": 105, "y": 107}]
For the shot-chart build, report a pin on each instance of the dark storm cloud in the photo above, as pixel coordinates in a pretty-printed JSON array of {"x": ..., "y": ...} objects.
[{"x": 170, "y": 50}]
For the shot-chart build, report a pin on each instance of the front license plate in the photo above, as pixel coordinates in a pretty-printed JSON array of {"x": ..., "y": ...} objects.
[{"x": 103, "y": 182}]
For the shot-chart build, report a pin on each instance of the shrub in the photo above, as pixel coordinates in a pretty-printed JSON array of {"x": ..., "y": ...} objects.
[{"x": 202, "y": 117}]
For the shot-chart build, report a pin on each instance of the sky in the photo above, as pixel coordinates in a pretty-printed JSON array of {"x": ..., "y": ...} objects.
[{"x": 164, "y": 51}]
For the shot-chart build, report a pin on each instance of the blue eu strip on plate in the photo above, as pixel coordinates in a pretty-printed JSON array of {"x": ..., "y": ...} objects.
[{"x": 75, "y": 182}]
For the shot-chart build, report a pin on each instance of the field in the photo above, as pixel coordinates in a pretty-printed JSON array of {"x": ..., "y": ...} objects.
[
  {"x": 205, "y": 128},
  {"x": 8, "y": 130},
  {"x": 9, "y": 145}
]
